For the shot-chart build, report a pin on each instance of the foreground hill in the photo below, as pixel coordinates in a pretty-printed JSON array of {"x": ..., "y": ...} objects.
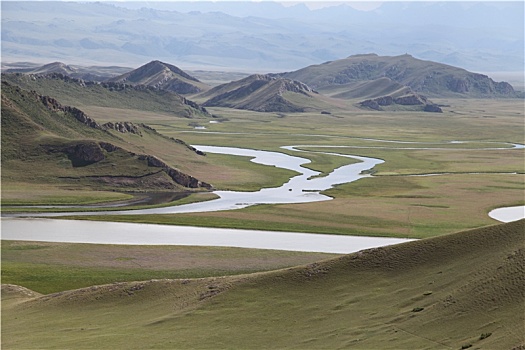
[
  {"x": 345, "y": 77},
  {"x": 46, "y": 142},
  {"x": 263, "y": 93},
  {"x": 162, "y": 76},
  {"x": 85, "y": 94},
  {"x": 456, "y": 291}
]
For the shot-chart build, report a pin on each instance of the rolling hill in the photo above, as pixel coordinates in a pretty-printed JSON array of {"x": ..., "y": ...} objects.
[
  {"x": 457, "y": 291},
  {"x": 84, "y": 94},
  {"x": 162, "y": 76},
  {"x": 46, "y": 142},
  {"x": 263, "y": 93},
  {"x": 360, "y": 75}
]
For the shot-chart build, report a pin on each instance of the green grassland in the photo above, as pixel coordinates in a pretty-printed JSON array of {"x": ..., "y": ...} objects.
[
  {"x": 473, "y": 180},
  {"x": 56, "y": 267},
  {"x": 470, "y": 180},
  {"x": 455, "y": 291}
]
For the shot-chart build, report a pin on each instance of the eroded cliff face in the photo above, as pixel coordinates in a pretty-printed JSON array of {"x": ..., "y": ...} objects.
[
  {"x": 84, "y": 153},
  {"x": 177, "y": 176}
]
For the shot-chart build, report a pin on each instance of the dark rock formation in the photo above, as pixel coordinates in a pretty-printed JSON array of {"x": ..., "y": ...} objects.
[
  {"x": 84, "y": 153},
  {"x": 177, "y": 176},
  {"x": 406, "y": 100},
  {"x": 410, "y": 100},
  {"x": 433, "y": 108},
  {"x": 54, "y": 105},
  {"x": 123, "y": 127}
]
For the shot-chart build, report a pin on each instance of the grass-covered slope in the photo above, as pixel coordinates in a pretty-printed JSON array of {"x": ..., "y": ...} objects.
[
  {"x": 45, "y": 142},
  {"x": 85, "y": 95},
  {"x": 426, "y": 77},
  {"x": 264, "y": 93},
  {"x": 456, "y": 291}
]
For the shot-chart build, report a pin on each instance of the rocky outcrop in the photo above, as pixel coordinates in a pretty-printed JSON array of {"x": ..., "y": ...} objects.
[
  {"x": 123, "y": 127},
  {"x": 54, "y": 105},
  {"x": 406, "y": 100},
  {"x": 177, "y": 176},
  {"x": 84, "y": 153}
]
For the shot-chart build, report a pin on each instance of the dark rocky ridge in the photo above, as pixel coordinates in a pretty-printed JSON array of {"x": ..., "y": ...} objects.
[
  {"x": 406, "y": 100},
  {"x": 259, "y": 92}
]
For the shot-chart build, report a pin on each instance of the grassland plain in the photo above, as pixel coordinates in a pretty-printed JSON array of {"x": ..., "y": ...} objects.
[
  {"x": 473, "y": 181},
  {"x": 455, "y": 291},
  {"x": 470, "y": 178},
  {"x": 56, "y": 267}
]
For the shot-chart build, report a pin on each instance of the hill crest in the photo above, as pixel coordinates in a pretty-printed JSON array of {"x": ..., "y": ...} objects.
[
  {"x": 163, "y": 76},
  {"x": 426, "y": 77},
  {"x": 259, "y": 92}
]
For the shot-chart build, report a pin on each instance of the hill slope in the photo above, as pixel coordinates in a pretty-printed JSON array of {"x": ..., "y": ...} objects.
[
  {"x": 262, "y": 93},
  {"x": 450, "y": 292},
  {"x": 83, "y": 94},
  {"x": 425, "y": 77},
  {"x": 44, "y": 141},
  {"x": 162, "y": 76}
]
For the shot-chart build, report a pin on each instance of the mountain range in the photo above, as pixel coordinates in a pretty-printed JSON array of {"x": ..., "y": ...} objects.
[
  {"x": 369, "y": 81},
  {"x": 262, "y": 37}
]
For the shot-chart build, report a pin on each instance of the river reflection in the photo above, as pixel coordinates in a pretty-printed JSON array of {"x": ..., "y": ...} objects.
[{"x": 77, "y": 231}]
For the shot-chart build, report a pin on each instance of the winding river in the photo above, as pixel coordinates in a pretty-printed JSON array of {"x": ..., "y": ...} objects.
[{"x": 304, "y": 187}]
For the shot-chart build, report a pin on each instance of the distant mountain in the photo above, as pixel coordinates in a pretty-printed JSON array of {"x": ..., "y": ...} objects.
[
  {"x": 350, "y": 78},
  {"x": 44, "y": 141},
  {"x": 162, "y": 76},
  {"x": 262, "y": 36},
  {"x": 262, "y": 93}
]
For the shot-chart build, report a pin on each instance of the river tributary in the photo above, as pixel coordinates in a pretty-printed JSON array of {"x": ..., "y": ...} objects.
[{"x": 304, "y": 187}]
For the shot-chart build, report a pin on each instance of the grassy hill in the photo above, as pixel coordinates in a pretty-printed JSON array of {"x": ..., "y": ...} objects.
[
  {"x": 426, "y": 77},
  {"x": 456, "y": 291},
  {"x": 45, "y": 142},
  {"x": 85, "y": 95},
  {"x": 264, "y": 93},
  {"x": 162, "y": 76}
]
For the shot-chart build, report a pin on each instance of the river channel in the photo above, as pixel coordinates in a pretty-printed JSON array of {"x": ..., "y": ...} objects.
[{"x": 304, "y": 187}]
